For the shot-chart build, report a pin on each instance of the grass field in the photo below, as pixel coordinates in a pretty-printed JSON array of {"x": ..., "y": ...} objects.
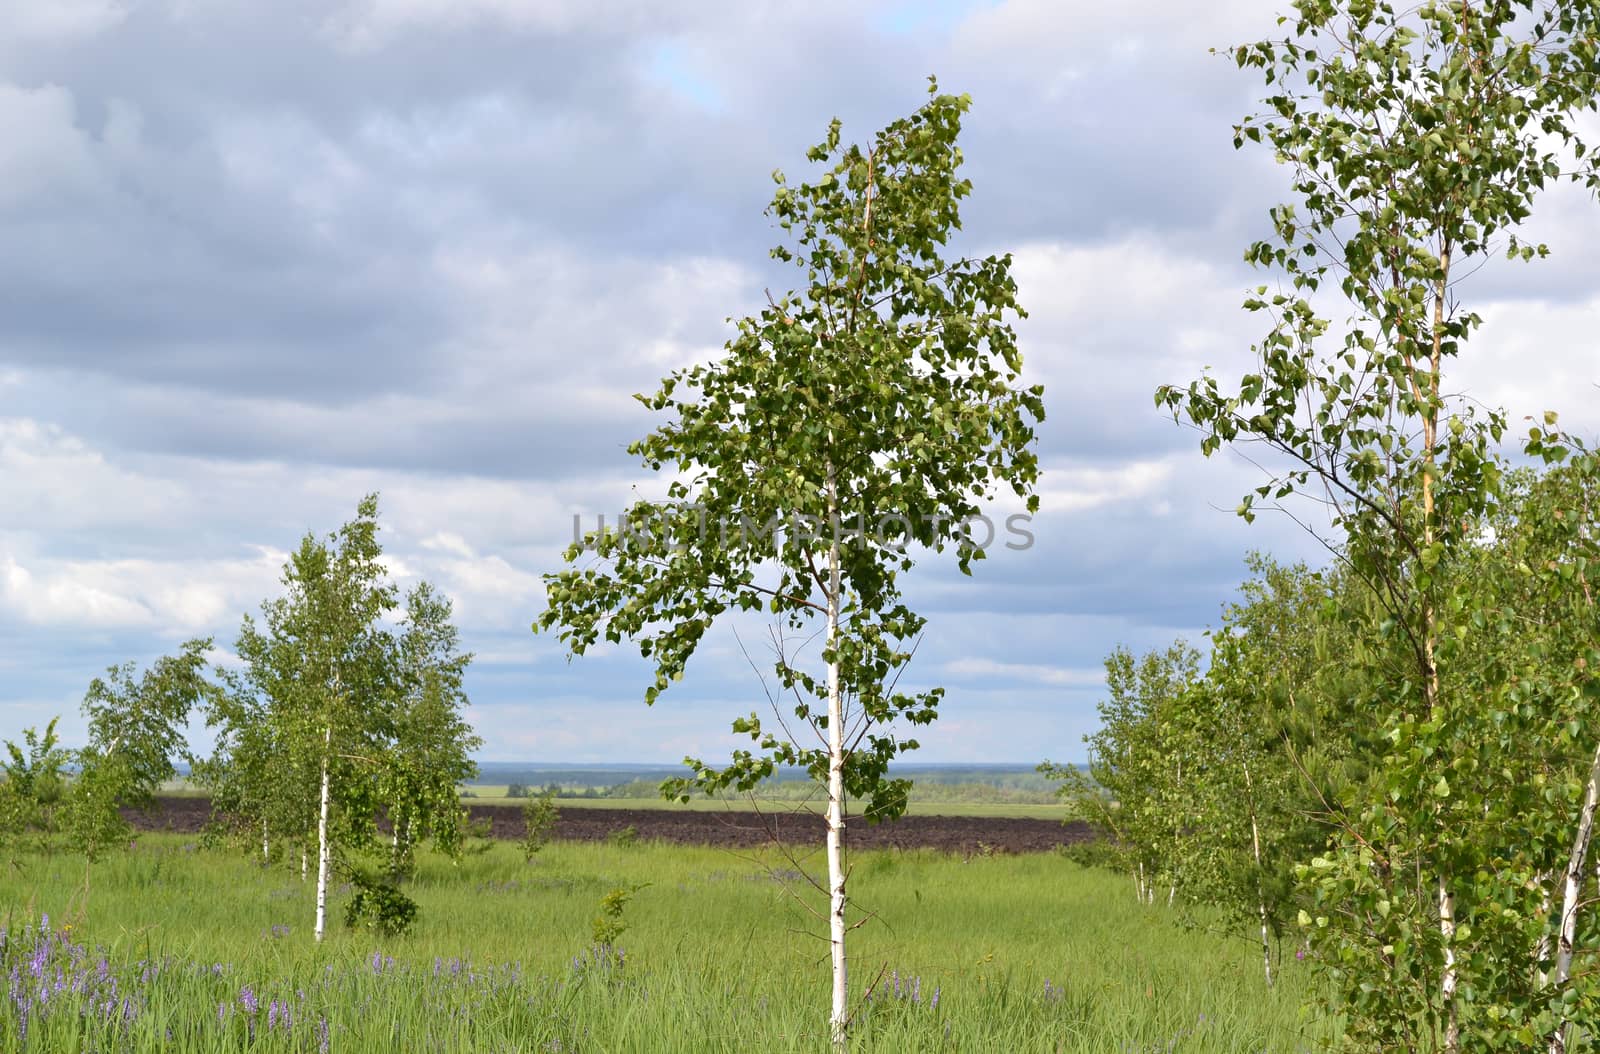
[{"x": 213, "y": 952}]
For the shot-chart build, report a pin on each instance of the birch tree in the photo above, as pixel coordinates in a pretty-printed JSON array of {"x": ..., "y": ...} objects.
[
  {"x": 850, "y": 425},
  {"x": 1418, "y": 140},
  {"x": 433, "y": 744},
  {"x": 1134, "y": 784},
  {"x": 324, "y": 664},
  {"x": 137, "y": 733},
  {"x": 255, "y": 782}
]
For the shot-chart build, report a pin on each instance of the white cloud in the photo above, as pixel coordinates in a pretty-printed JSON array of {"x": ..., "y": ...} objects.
[
  {"x": 1070, "y": 488},
  {"x": 74, "y": 594},
  {"x": 1531, "y": 356},
  {"x": 1038, "y": 673},
  {"x": 168, "y": 597},
  {"x": 52, "y": 481},
  {"x": 50, "y": 20},
  {"x": 362, "y": 25}
]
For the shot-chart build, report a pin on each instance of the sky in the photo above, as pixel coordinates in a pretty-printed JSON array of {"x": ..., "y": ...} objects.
[{"x": 257, "y": 260}]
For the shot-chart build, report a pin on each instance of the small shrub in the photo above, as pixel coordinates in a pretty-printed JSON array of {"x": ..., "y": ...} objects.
[
  {"x": 379, "y": 905},
  {"x": 517, "y": 790},
  {"x": 609, "y": 924},
  {"x": 1097, "y": 852},
  {"x": 539, "y": 816},
  {"x": 624, "y": 837}
]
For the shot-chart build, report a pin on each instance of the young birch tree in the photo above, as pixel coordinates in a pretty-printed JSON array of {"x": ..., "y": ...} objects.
[
  {"x": 136, "y": 734},
  {"x": 1133, "y": 788},
  {"x": 324, "y": 664},
  {"x": 433, "y": 744},
  {"x": 1418, "y": 139},
  {"x": 870, "y": 411}
]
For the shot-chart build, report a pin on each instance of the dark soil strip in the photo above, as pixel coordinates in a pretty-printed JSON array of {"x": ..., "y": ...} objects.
[{"x": 734, "y": 829}]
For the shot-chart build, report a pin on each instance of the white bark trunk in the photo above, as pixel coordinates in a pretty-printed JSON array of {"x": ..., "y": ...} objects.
[
  {"x": 836, "y": 874},
  {"x": 305, "y": 864},
  {"x": 1261, "y": 899},
  {"x": 1430, "y": 623},
  {"x": 1571, "y": 894},
  {"x": 322, "y": 841},
  {"x": 1447, "y": 983},
  {"x": 266, "y": 846}
]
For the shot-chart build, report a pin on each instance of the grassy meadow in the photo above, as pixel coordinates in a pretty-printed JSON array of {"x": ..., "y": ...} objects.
[{"x": 174, "y": 947}]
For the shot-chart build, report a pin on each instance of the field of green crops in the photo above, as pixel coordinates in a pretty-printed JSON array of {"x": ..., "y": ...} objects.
[{"x": 174, "y": 947}]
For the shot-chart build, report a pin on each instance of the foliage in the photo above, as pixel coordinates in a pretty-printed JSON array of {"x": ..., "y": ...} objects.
[
  {"x": 35, "y": 783},
  {"x": 337, "y": 716},
  {"x": 136, "y": 734},
  {"x": 1418, "y": 140},
  {"x": 1134, "y": 778},
  {"x": 431, "y": 754},
  {"x": 539, "y": 816},
  {"x": 868, "y": 412},
  {"x": 609, "y": 925},
  {"x": 378, "y": 905}
]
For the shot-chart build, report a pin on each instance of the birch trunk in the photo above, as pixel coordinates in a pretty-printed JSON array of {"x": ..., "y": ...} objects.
[
  {"x": 322, "y": 840},
  {"x": 836, "y": 874},
  {"x": 305, "y": 863},
  {"x": 1261, "y": 899},
  {"x": 1430, "y": 633},
  {"x": 1447, "y": 983},
  {"x": 1571, "y": 892},
  {"x": 266, "y": 846},
  {"x": 1541, "y": 947}
]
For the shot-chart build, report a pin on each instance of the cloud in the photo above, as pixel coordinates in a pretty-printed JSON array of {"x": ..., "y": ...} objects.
[
  {"x": 57, "y": 20},
  {"x": 262, "y": 259},
  {"x": 1037, "y": 673}
]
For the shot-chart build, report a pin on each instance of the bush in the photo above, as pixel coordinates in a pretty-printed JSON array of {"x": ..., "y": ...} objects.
[
  {"x": 379, "y": 905},
  {"x": 517, "y": 790},
  {"x": 539, "y": 816},
  {"x": 1097, "y": 852},
  {"x": 609, "y": 924},
  {"x": 623, "y": 837}
]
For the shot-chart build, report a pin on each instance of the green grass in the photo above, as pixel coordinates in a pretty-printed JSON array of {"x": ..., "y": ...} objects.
[{"x": 715, "y": 958}]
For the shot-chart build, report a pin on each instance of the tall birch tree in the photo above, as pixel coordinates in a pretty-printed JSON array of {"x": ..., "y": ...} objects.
[
  {"x": 849, "y": 424},
  {"x": 1418, "y": 139}
]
